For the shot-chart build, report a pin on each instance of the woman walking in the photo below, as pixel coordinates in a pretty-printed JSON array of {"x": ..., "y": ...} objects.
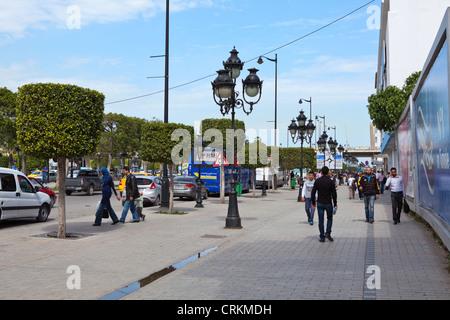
[{"x": 107, "y": 188}]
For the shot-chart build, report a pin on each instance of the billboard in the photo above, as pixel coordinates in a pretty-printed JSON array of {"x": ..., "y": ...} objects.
[
  {"x": 330, "y": 161},
  {"x": 433, "y": 138},
  {"x": 405, "y": 150}
]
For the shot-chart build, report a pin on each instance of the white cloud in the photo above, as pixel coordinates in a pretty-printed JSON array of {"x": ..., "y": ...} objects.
[{"x": 18, "y": 17}]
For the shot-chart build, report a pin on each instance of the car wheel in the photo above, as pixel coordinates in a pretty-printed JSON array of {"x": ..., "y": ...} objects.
[
  {"x": 68, "y": 192},
  {"x": 43, "y": 213},
  {"x": 157, "y": 201},
  {"x": 90, "y": 191}
]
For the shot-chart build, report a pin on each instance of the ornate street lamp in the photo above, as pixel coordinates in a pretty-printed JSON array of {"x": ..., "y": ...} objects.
[
  {"x": 227, "y": 98},
  {"x": 300, "y": 131}
]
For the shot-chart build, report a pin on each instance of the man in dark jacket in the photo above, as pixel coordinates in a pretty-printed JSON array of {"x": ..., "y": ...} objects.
[
  {"x": 327, "y": 199},
  {"x": 370, "y": 189},
  {"x": 132, "y": 192}
]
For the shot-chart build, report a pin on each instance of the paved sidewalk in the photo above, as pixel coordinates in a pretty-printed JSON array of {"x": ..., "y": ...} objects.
[{"x": 276, "y": 256}]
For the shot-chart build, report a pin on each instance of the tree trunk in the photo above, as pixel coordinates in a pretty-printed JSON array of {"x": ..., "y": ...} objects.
[
  {"x": 171, "y": 189},
  {"x": 62, "y": 198}
]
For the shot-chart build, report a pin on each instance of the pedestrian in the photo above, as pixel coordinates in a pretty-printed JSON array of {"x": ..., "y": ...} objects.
[
  {"x": 358, "y": 177},
  {"x": 326, "y": 200},
  {"x": 132, "y": 193},
  {"x": 398, "y": 194},
  {"x": 351, "y": 187},
  {"x": 368, "y": 185},
  {"x": 45, "y": 175},
  {"x": 380, "y": 178},
  {"x": 307, "y": 195},
  {"x": 107, "y": 188},
  {"x": 140, "y": 206},
  {"x": 292, "y": 180}
]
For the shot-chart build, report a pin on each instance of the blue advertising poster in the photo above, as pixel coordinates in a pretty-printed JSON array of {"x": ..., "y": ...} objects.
[{"x": 433, "y": 139}]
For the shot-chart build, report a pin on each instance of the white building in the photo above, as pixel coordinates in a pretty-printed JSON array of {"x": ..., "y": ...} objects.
[{"x": 408, "y": 29}]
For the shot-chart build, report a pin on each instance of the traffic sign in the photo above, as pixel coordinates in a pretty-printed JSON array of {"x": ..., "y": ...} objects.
[{"x": 218, "y": 161}]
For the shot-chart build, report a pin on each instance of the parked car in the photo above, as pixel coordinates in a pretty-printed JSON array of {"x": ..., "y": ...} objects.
[
  {"x": 52, "y": 176},
  {"x": 36, "y": 183},
  {"x": 34, "y": 173},
  {"x": 186, "y": 187},
  {"x": 87, "y": 180},
  {"x": 19, "y": 199},
  {"x": 150, "y": 187}
]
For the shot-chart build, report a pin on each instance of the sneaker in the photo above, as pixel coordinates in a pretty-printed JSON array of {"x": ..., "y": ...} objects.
[
  {"x": 321, "y": 240},
  {"x": 311, "y": 222},
  {"x": 327, "y": 235},
  {"x": 96, "y": 225},
  {"x": 372, "y": 220}
]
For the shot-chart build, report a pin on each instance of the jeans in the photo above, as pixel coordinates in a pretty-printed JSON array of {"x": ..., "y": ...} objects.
[
  {"x": 129, "y": 205},
  {"x": 381, "y": 186},
  {"x": 44, "y": 178},
  {"x": 321, "y": 208},
  {"x": 309, "y": 209},
  {"x": 369, "y": 205},
  {"x": 99, "y": 213}
]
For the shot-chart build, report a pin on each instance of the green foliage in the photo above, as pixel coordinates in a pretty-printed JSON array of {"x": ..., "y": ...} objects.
[
  {"x": 55, "y": 120},
  {"x": 120, "y": 134},
  {"x": 252, "y": 160},
  {"x": 157, "y": 144},
  {"x": 387, "y": 106},
  {"x": 8, "y": 137},
  {"x": 222, "y": 125},
  {"x": 290, "y": 158}
]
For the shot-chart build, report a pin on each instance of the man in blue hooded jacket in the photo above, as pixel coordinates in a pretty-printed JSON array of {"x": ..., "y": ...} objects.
[{"x": 107, "y": 188}]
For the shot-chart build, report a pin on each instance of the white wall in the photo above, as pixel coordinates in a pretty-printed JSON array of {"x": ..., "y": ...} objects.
[{"x": 412, "y": 26}]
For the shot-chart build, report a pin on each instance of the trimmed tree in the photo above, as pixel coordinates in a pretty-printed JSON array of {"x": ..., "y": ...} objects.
[
  {"x": 8, "y": 137},
  {"x": 59, "y": 121},
  {"x": 166, "y": 143},
  {"x": 222, "y": 125}
]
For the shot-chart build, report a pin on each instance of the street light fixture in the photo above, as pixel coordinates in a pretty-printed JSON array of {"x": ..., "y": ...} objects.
[
  {"x": 227, "y": 98},
  {"x": 300, "y": 131}
]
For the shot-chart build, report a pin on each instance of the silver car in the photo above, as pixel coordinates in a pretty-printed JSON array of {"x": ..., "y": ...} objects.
[
  {"x": 186, "y": 187},
  {"x": 150, "y": 186}
]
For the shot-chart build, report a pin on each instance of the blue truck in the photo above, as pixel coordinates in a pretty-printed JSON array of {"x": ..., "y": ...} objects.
[{"x": 210, "y": 175}]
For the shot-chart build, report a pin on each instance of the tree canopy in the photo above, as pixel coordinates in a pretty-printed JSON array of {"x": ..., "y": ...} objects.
[
  {"x": 55, "y": 120},
  {"x": 386, "y": 106}
]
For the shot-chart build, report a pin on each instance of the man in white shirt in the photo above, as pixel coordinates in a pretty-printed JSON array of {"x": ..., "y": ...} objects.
[
  {"x": 398, "y": 193},
  {"x": 306, "y": 197}
]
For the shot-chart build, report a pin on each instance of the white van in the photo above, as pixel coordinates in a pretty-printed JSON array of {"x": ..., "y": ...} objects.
[{"x": 19, "y": 199}]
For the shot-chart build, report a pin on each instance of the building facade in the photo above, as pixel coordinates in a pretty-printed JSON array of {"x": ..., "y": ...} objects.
[{"x": 419, "y": 147}]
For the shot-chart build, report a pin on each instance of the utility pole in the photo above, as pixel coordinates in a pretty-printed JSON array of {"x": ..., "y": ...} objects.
[{"x": 165, "y": 197}]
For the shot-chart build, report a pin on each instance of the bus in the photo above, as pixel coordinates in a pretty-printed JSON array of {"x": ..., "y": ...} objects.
[{"x": 210, "y": 174}]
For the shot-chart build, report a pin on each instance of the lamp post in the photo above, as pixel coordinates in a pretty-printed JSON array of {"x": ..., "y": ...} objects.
[
  {"x": 310, "y": 112},
  {"x": 227, "y": 98},
  {"x": 261, "y": 61},
  {"x": 199, "y": 200},
  {"x": 300, "y": 131}
]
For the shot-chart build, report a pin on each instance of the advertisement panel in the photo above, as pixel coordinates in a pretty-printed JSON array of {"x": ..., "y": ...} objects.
[
  {"x": 405, "y": 145},
  {"x": 332, "y": 162},
  {"x": 433, "y": 139}
]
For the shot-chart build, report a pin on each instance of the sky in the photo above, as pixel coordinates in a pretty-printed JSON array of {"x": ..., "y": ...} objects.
[{"x": 106, "y": 45}]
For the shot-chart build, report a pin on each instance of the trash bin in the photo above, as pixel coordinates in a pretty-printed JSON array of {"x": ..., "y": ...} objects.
[{"x": 239, "y": 189}]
